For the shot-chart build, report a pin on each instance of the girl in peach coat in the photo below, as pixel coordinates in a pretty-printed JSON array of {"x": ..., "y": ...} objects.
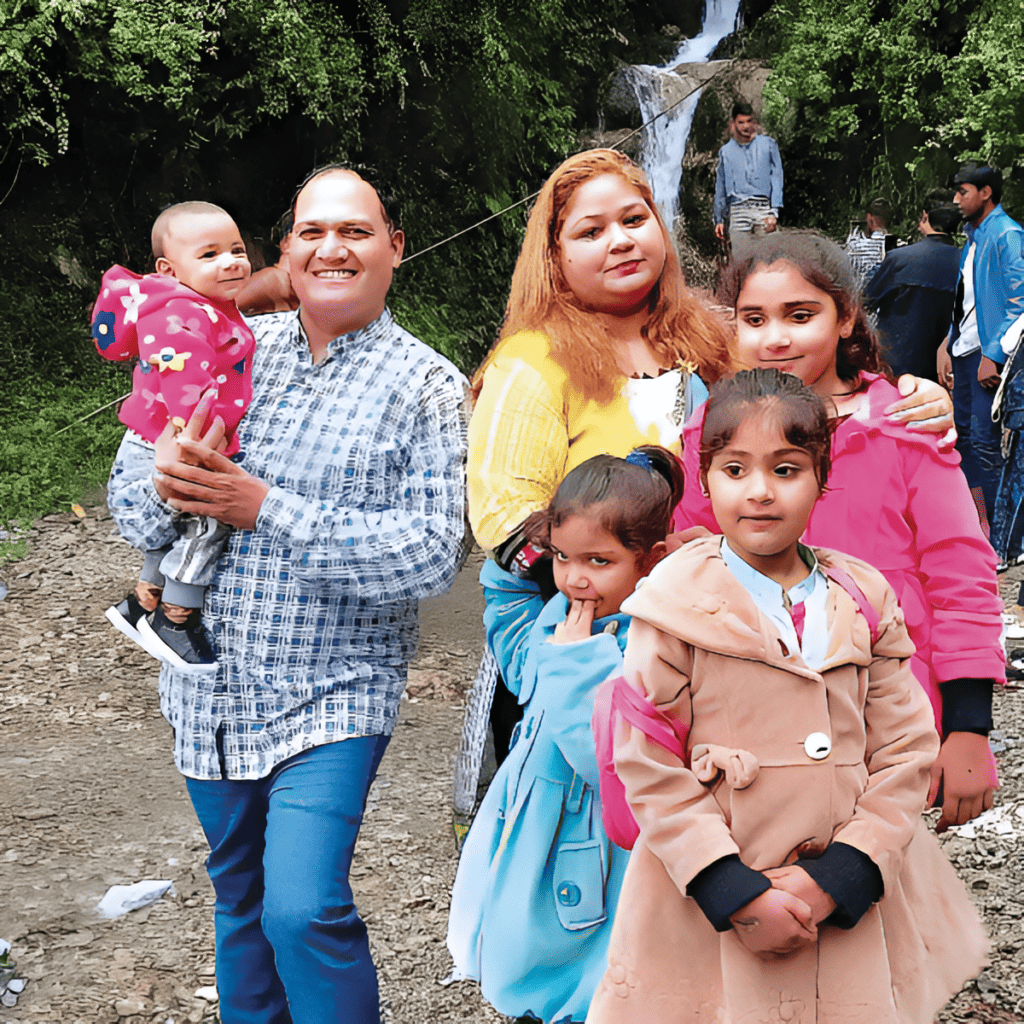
[{"x": 783, "y": 872}]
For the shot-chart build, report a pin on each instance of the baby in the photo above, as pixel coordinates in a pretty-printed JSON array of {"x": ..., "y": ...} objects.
[{"x": 182, "y": 326}]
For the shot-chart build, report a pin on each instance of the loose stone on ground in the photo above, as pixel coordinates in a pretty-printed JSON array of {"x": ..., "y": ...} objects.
[{"x": 92, "y": 800}]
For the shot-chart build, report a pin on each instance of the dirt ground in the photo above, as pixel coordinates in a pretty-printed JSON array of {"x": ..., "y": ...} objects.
[{"x": 91, "y": 799}]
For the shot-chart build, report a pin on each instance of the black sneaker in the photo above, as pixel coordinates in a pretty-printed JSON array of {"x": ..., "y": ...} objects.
[
  {"x": 182, "y": 645},
  {"x": 125, "y": 618}
]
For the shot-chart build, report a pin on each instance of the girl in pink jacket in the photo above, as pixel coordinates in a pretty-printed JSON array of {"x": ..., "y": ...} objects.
[
  {"x": 783, "y": 872},
  {"x": 894, "y": 498}
]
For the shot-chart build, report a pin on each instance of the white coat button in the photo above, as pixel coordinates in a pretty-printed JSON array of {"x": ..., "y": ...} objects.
[{"x": 817, "y": 746}]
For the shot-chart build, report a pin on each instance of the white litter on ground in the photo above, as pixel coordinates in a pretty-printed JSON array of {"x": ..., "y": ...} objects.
[
  {"x": 122, "y": 899},
  {"x": 1004, "y": 821}
]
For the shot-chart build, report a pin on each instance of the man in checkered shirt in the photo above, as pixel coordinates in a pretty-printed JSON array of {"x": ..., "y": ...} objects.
[
  {"x": 348, "y": 504},
  {"x": 866, "y": 251}
]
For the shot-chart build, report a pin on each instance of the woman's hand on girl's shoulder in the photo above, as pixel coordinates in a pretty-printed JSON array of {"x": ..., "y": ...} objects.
[
  {"x": 579, "y": 621},
  {"x": 925, "y": 407},
  {"x": 674, "y": 541}
]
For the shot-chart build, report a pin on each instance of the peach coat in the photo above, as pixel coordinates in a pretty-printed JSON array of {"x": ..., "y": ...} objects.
[
  {"x": 897, "y": 501},
  {"x": 701, "y": 649}
]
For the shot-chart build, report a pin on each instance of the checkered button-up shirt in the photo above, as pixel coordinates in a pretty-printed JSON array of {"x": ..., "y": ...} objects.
[
  {"x": 865, "y": 252},
  {"x": 314, "y": 613}
]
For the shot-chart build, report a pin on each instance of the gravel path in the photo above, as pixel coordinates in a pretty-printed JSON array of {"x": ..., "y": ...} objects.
[{"x": 91, "y": 799}]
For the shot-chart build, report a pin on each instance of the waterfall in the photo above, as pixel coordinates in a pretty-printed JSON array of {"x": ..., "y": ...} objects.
[{"x": 663, "y": 143}]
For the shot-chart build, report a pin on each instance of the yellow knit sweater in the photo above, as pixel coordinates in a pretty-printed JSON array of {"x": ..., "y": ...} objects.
[{"x": 530, "y": 428}]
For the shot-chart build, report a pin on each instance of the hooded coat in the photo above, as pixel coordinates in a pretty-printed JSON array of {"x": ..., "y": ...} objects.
[
  {"x": 702, "y": 651},
  {"x": 183, "y": 343},
  {"x": 538, "y": 879},
  {"x": 903, "y": 505}
]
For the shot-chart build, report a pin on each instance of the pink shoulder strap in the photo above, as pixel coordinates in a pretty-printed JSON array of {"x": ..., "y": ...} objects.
[
  {"x": 867, "y": 609},
  {"x": 643, "y": 715}
]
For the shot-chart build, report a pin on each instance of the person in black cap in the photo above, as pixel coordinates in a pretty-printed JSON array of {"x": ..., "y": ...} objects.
[
  {"x": 989, "y": 298},
  {"x": 913, "y": 290}
]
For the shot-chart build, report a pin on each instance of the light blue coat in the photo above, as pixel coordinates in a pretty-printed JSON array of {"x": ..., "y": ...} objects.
[{"x": 538, "y": 880}]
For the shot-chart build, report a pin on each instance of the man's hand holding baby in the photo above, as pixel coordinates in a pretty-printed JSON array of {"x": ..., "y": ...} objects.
[{"x": 192, "y": 476}]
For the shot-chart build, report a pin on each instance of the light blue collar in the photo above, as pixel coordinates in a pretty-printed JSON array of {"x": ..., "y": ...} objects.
[
  {"x": 765, "y": 590},
  {"x": 776, "y": 604}
]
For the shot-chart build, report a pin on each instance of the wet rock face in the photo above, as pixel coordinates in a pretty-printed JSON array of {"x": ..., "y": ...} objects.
[{"x": 621, "y": 107}]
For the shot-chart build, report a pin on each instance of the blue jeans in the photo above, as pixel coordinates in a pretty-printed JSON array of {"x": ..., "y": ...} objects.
[
  {"x": 978, "y": 438},
  {"x": 291, "y": 947}
]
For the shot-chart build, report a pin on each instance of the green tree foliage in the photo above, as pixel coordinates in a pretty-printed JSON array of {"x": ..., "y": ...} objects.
[
  {"x": 889, "y": 96},
  {"x": 114, "y": 108},
  {"x": 216, "y": 69}
]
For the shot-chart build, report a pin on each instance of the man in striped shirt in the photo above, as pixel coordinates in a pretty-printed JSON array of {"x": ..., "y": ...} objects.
[{"x": 348, "y": 506}]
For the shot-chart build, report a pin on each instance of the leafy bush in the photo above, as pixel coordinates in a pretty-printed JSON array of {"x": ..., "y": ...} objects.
[
  {"x": 876, "y": 97},
  {"x": 42, "y": 471}
]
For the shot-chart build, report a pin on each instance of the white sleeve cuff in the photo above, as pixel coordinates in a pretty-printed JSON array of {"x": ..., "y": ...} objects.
[{"x": 1008, "y": 342}]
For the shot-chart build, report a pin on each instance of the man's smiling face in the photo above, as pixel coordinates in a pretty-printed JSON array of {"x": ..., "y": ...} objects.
[{"x": 341, "y": 254}]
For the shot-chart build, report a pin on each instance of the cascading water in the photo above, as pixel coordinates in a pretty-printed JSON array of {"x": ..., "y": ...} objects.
[{"x": 663, "y": 143}]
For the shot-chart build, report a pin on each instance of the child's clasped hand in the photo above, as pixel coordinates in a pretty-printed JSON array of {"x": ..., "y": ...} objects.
[
  {"x": 775, "y": 923},
  {"x": 786, "y": 917}
]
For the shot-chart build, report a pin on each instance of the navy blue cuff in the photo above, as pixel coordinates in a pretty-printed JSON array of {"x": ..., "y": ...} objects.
[
  {"x": 966, "y": 706},
  {"x": 850, "y": 877},
  {"x": 725, "y": 886}
]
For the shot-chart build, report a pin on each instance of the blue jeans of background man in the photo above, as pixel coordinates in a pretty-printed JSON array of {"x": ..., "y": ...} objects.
[
  {"x": 291, "y": 947},
  {"x": 978, "y": 438}
]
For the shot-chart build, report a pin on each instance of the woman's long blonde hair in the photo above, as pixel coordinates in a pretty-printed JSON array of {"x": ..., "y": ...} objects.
[{"x": 680, "y": 330}]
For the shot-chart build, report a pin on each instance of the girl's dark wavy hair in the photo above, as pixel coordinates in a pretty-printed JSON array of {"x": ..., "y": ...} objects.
[
  {"x": 636, "y": 501},
  {"x": 802, "y": 415},
  {"x": 824, "y": 264}
]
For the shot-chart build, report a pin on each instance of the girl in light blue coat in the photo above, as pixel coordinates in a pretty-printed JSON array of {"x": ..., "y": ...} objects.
[{"x": 534, "y": 897}]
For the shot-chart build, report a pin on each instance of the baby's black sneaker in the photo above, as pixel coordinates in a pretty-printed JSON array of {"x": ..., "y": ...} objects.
[
  {"x": 182, "y": 645},
  {"x": 126, "y": 616}
]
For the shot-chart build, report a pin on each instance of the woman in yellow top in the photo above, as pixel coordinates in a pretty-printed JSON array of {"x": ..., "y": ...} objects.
[
  {"x": 599, "y": 348},
  {"x": 600, "y": 342}
]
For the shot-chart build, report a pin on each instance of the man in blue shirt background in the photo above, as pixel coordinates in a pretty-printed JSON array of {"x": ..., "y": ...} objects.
[
  {"x": 748, "y": 185},
  {"x": 989, "y": 299}
]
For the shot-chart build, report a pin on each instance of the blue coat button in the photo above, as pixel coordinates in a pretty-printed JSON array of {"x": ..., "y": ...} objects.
[{"x": 569, "y": 894}]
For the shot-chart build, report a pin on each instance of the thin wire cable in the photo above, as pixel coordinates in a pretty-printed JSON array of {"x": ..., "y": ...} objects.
[
  {"x": 533, "y": 195},
  {"x": 13, "y": 183},
  {"x": 472, "y": 227},
  {"x": 91, "y": 414},
  {"x": 464, "y": 231}
]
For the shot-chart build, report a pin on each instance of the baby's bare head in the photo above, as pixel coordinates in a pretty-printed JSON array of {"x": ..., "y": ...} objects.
[
  {"x": 201, "y": 246},
  {"x": 164, "y": 224}
]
